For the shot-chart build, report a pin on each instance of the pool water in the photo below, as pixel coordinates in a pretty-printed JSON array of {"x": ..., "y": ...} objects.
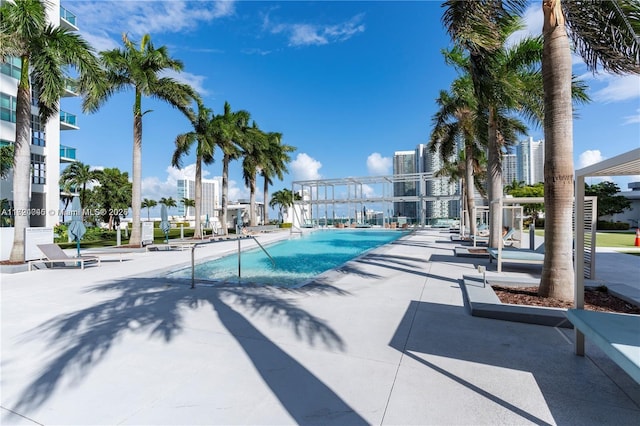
[{"x": 297, "y": 259}]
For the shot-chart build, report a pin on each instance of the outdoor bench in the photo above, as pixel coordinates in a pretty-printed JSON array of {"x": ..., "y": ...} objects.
[
  {"x": 617, "y": 335},
  {"x": 516, "y": 255}
]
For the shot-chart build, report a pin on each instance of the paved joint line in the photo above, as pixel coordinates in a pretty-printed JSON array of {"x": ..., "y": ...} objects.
[{"x": 404, "y": 348}]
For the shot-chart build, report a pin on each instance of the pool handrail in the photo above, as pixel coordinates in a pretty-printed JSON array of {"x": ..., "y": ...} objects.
[{"x": 194, "y": 245}]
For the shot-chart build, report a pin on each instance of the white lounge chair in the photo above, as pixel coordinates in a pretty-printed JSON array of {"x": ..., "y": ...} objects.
[
  {"x": 55, "y": 256},
  {"x": 507, "y": 239}
]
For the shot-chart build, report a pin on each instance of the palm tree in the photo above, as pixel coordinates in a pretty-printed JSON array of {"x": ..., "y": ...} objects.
[
  {"x": 186, "y": 203},
  {"x": 605, "y": 34},
  {"x": 457, "y": 119},
  {"x": 274, "y": 165},
  {"x": 168, "y": 202},
  {"x": 229, "y": 129},
  {"x": 148, "y": 204},
  {"x": 514, "y": 186},
  {"x": 507, "y": 84},
  {"x": 254, "y": 147},
  {"x": 503, "y": 80},
  {"x": 202, "y": 135},
  {"x": 282, "y": 199},
  {"x": 77, "y": 176},
  {"x": 140, "y": 68},
  {"x": 45, "y": 51}
]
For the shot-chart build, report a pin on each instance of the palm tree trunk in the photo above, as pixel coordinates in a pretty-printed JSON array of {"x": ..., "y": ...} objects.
[
  {"x": 225, "y": 191},
  {"x": 136, "y": 188},
  {"x": 469, "y": 187},
  {"x": 265, "y": 193},
  {"x": 557, "y": 271},
  {"x": 198, "y": 197},
  {"x": 21, "y": 169},
  {"x": 252, "y": 202},
  {"x": 494, "y": 171}
]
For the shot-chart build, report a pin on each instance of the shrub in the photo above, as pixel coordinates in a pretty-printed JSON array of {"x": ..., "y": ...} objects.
[
  {"x": 612, "y": 226},
  {"x": 285, "y": 225},
  {"x": 60, "y": 233}
]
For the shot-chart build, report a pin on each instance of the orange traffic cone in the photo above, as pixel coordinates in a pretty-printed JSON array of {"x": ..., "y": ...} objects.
[{"x": 637, "y": 244}]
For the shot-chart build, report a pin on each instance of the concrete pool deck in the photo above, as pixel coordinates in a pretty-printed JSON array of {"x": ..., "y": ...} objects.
[{"x": 386, "y": 339}]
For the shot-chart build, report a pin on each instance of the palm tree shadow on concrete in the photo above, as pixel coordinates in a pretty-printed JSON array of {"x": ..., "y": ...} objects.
[{"x": 81, "y": 339}]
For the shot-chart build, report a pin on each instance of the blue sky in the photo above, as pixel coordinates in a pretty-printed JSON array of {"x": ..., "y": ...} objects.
[{"x": 347, "y": 83}]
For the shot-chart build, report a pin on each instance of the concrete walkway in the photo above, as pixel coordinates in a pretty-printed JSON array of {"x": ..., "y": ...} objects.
[{"x": 386, "y": 339}]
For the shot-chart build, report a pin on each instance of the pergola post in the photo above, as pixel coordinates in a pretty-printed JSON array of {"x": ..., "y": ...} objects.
[{"x": 578, "y": 290}]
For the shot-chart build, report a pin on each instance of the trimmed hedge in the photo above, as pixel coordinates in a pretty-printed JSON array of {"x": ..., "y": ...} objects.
[{"x": 614, "y": 226}]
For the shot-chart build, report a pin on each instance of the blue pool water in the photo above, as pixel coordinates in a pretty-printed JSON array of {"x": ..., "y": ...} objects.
[{"x": 296, "y": 260}]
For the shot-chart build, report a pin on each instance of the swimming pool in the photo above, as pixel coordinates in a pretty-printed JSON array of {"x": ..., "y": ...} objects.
[{"x": 297, "y": 260}]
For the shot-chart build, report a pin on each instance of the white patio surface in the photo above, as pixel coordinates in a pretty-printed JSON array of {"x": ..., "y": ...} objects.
[{"x": 387, "y": 339}]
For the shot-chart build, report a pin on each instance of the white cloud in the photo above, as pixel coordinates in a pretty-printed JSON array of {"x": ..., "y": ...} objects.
[
  {"x": 378, "y": 165},
  {"x": 142, "y": 17},
  {"x": 316, "y": 34},
  {"x": 368, "y": 191},
  {"x": 305, "y": 167},
  {"x": 589, "y": 157},
  {"x": 102, "y": 23},
  {"x": 632, "y": 119},
  {"x": 237, "y": 192},
  {"x": 154, "y": 188},
  {"x": 195, "y": 81},
  {"x": 618, "y": 88}
]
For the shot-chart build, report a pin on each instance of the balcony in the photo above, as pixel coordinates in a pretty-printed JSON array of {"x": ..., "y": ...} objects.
[
  {"x": 67, "y": 154},
  {"x": 70, "y": 88},
  {"x": 68, "y": 121},
  {"x": 68, "y": 20}
]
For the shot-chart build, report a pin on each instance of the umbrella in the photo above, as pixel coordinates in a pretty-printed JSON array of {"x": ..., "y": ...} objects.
[
  {"x": 206, "y": 222},
  {"x": 76, "y": 227},
  {"x": 164, "y": 222}
]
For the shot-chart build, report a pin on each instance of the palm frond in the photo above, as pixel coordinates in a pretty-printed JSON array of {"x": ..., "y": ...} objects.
[{"x": 606, "y": 33}]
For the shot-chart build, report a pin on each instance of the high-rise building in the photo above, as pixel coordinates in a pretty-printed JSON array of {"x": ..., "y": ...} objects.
[
  {"x": 46, "y": 151},
  {"x": 524, "y": 163},
  {"x": 405, "y": 162},
  {"x": 210, "y": 196},
  {"x": 510, "y": 169},
  {"x": 421, "y": 160},
  {"x": 532, "y": 157}
]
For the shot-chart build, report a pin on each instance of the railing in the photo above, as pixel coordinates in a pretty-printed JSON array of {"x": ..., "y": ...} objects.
[
  {"x": 193, "y": 248},
  {"x": 71, "y": 85},
  {"x": 68, "y": 16},
  {"x": 68, "y": 118},
  {"x": 67, "y": 152}
]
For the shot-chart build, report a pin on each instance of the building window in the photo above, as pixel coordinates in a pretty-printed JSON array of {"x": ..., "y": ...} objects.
[
  {"x": 7, "y": 108},
  {"x": 34, "y": 95},
  {"x": 11, "y": 67},
  {"x": 38, "y": 135},
  {"x": 38, "y": 169}
]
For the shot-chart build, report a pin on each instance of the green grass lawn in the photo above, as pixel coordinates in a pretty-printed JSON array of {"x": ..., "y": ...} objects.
[
  {"x": 110, "y": 239},
  {"x": 619, "y": 239}
]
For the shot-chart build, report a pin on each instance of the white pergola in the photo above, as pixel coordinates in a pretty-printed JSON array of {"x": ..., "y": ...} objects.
[{"x": 626, "y": 164}]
